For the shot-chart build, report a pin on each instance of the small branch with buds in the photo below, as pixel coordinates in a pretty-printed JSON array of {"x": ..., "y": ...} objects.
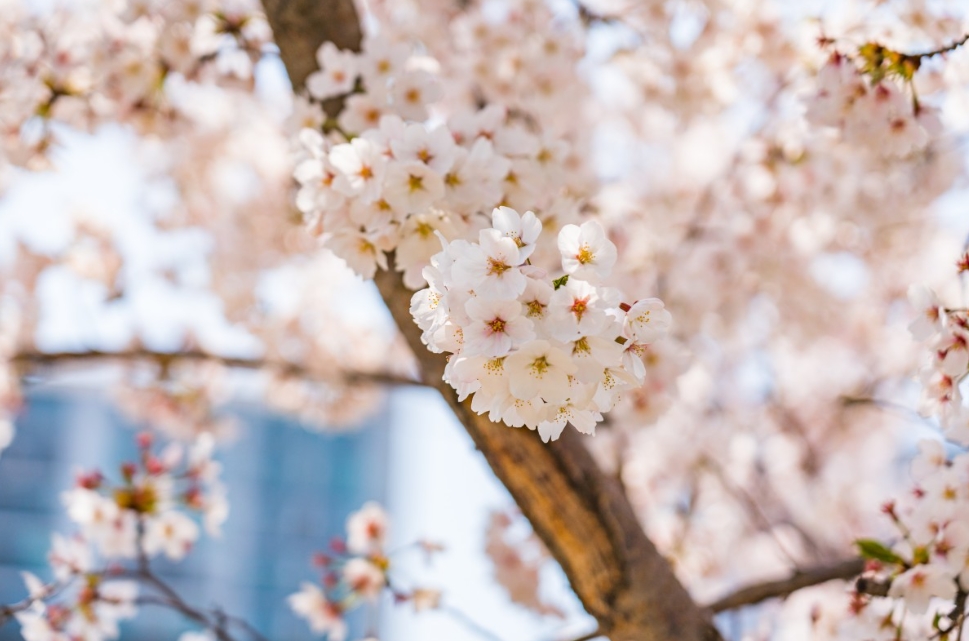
[
  {"x": 940, "y": 51},
  {"x": 8, "y": 612},
  {"x": 756, "y": 593}
]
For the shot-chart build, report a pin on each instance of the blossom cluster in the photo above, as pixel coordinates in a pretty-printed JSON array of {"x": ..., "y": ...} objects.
[
  {"x": 518, "y": 559},
  {"x": 138, "y": 517},
  {"x": 143, "y": 512},
  {"x": 91, "y": 610},
  {"x": 354, "y": 571},
  {"x": 535, "y": 351},
  {"x": 876, "y": 115},
  {"x": 393, "y": 182},
  {"x": 114, "y": 62},
  {"x": 393, "y": 86},
  {"x": 928, "y": 565},
  {"x": 946, "y": 332}
]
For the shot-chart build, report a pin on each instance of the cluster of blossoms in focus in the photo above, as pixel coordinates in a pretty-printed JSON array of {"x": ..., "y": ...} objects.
[
  {"x": 535, "y": 351},
  {"x": 392, "y": 183}
]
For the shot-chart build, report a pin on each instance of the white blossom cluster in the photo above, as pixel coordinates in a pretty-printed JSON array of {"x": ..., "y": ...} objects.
[
  {"x": 145, "y": 511},
  {"x": 535, "y": 351},
  {"x": 928, "y": 565},
  {"x": 391, "y": 183},
  {"x": 91, "y": 611},
  {"x": 392, "y": 87},
  {"x": 878, "y": 116},
  {"x": 946, "y": 331},
  {"x": 355, "y": 571},
  {"x": 142, "y": 515},
  {"x": 82, "y": 66}
]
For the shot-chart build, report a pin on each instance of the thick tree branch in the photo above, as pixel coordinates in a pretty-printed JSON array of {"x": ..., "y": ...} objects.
[
  {"x": 580, "y": 513},
  {"x": 165, "y": 359},
  {"x": 301, "y": 26},
  {"x": 799, "y": 580}
]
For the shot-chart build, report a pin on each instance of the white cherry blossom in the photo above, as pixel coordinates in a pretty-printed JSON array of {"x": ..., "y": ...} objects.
[
  {"x": 324, "y": 616},
  {"x": 539, "y": 369},
  {"x": 338, "y": 71},
  {"x": 586, "y": 251},
  {"x": 497, "y": 327}
]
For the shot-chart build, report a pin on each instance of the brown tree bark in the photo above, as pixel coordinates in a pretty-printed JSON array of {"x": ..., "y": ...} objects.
[{"x": 579, "y": 512}]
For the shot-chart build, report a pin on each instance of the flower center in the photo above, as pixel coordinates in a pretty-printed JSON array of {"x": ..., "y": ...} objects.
[
  {"x": 497, "y": 325},
  {"x": 415, "y": 183},
  {"x": 535, "y": 309},
  {"x": 585, "y": 255},
  {"x": 579, "y": 305},
  {"x": 540, "y": 365},
  {"x": 495, "y": 266}
]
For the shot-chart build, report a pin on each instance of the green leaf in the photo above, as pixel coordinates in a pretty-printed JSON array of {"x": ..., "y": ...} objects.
[
  {"x": 872, "y": 549},
  {"x": 558, "y": 282}
]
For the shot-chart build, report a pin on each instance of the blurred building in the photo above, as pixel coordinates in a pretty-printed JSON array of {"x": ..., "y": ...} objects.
[{"x": 290, "y": 491}]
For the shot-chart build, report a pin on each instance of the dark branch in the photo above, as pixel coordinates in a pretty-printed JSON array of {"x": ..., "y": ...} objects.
[
  {"x": 166, "y": 359},
  {"x": 872, "y": 587},
  {"x": 940, "y": 51},
  {"x": 799, "y": 580}
]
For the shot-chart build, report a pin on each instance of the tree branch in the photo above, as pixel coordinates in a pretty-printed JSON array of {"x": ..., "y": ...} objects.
[
  {"x": 756, "y": 593},
  {"x": 579, "y": 512},
  {"x": 301, "y": 26},
  {"x": 165, "y": 359}
]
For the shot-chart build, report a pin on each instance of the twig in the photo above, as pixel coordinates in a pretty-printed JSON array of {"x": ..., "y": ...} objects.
[
  {"x": 598, "y": 632},
  {"x": 753, "y": 509},
  {"x": 872, "y": 587},
  {"x": 8, "y": 612},
  {"x": 248, "y": 627},
  {"x": 772, "y": 589},
  {"x": 173, "y": 601},
  {"x": 941, "y": 50},
  {"x": 165, "y": 359},
  {"x": 469, "y": 623},
  {"x": 898, "y": 408}
]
